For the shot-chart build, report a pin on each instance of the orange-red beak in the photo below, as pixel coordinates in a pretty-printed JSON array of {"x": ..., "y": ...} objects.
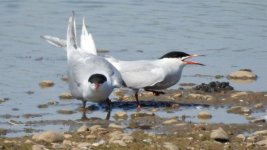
[{"x": 192, "y": 62}]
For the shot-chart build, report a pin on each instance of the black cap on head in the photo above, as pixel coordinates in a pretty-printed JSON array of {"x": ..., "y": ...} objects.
[
  {"x": 97, "y": 78},
  {"x": 174, "y": 54}
]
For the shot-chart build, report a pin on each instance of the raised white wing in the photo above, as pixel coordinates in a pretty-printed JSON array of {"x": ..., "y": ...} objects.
[{"x": 61, "y": 43}]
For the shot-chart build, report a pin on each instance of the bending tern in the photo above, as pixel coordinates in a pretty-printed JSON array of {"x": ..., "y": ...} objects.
[
  {"x": 150, "y": 75},
  {"x": 91, "y": 77}
]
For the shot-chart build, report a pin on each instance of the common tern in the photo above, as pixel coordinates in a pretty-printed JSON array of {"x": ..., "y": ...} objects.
[
  {"x": 91, "y": 77},
  {"x": 150, "y": 75}
]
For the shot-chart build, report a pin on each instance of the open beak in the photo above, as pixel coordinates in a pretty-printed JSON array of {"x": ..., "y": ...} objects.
[
  {"x": 192, "y": 62},
  {"x": 97, "y": 86}
]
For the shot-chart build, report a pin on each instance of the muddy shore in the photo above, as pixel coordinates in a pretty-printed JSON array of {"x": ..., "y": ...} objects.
[{"x": 147, "y": 130}]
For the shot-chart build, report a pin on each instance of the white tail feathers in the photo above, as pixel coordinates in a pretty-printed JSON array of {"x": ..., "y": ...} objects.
[
  {"x": 71, "y": 34},
  {"x": 87, "y": 42}
]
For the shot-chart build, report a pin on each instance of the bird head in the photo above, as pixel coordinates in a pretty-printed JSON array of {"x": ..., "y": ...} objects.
[
  {"x": 97, "y": 80},
  {"x": 182, "y": 56}
]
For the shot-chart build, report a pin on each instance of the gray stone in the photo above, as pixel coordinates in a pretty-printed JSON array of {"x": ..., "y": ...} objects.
[
  {"x": 239, "y": 94},
  {"x": 219, "y": 135},
  {"x": 101, "y": 142},
  {"x": 49, "y": 137},
  {"x": 65, "y": 96},
  {"x": 113, "y": 125}
]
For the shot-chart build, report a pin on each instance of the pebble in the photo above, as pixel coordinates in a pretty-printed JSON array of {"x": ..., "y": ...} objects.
[
  {"x": 39, "y": 147},
  {"x": 170, "y": 121},
  {"x": 242, "y": 74},
  {"x": 101, "y": 142},
  {"x": 48, "y": 136},
  {"x": 46, "y": 83},
  {"x": 113, "y": 125},
  {"x": 117, "y": 137},
  {"x": 42, "y": 106},
  {"x": 239, "y": 94},
  {"x": 204, "y": 115},
  {"x": 262, "y": 132},
  {"x": 140, "y": 114},
  {"x": 219, "y": 135},
  {"x": 121, "y": 115},
  {"x": 241, "y": 136},
  {"x": 258, "y": 105},
  {"x": 90, "y": 136},
  {"x": 28, "y": 141},
  {"x": 65, "y": 111},
  {"x": 67, "y": 142},
  {"x": 65, "y": 95},
  {"x": 252, "y": 138},
  {"x": 239, "y": 110},
  {"x": 262, "y": 143},
  {"x": 258, "y": 120},
  {"x": 94, "y": 128},
  {"x": 83, "y": 145},
  {"x": 201, "y": 96},
  {"x": 59, "y": 146},
  {"x": 67, "y": 136},
  {"x": 170, "y": 146},
  {"x": 83, "y": 129}
]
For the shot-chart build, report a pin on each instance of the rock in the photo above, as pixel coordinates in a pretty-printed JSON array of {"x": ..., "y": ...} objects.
[
  {"x": 239, "y": 94},
  {"x": 28, "y": 141},
  {"x": 46, "y": 83},
  {"x": 219, "y": 135},
  {"x": 204, "y": 115},
  {"x": 170, "y": 146},
  {"x": 140, "y": 114},
  {"x": 94, "y": 128},
  {"x": 239, "y": 110},
  {"x": 96, "y": 144},
  {"x": 83, "y": 129},
  {"x": 170, "y": 121},
  {"x": 65, "y": 111},
  {"x": 121, "y": 115},
  {"x": 241, "y": 137},
  {"x": 60, "y": 146},
  {"x": 262, "y": 132},
  {"x": 67, "y": 142},
  {"x": 242, "y": 74},
  {"x": 117, "y": 137},
  {"x": 175, "y": 96},
  {"x": 258, "y": 105},
  {"x": 252, "y": 139},
  {"x": 113, "y": 125},
  {"x": 258, "y": 120},
  {"x": 65, "y": 96},
  {"x": 42, "y": 106},
  {"x": 39, "y": 147},
  {"x": 67, "y": 136},
  {"x": 52, "y": 102},
  {"x": 84, "y": 145},
  {"x": 49, "y": 137},
  {"x": 262, "y": 143},
  {"x": 90, "y": 136},
  {"x": 201, "y": 96}
]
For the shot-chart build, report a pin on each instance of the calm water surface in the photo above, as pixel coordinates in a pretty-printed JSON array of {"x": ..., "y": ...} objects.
[{"x": 232, "y": 35}]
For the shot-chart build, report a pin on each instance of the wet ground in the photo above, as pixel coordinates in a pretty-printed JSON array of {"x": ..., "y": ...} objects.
[{"x": 181, "y": 118}]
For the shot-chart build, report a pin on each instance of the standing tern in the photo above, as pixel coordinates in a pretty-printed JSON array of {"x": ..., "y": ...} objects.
[
  {"x": 91, "y": 77},
  {"x": 150, "y": 75}
]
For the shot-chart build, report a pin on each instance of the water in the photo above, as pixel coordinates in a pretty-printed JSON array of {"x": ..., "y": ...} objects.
[{"x": 232, "y": 35}]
